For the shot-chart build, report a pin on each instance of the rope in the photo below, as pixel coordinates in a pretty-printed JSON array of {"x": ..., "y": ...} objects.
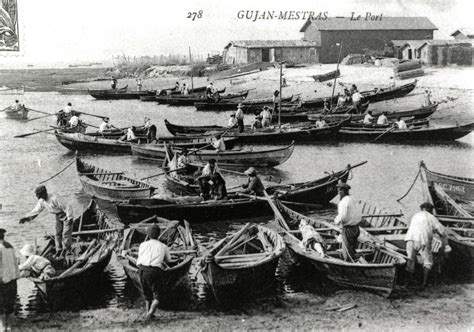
[
  {"x": 414, "y": 181},
  {"x": 72, "y": 162}
]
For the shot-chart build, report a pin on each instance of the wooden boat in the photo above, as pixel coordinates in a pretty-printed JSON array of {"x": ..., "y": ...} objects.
[
  {"x": 428, "y": 133},
  {"x": 418, "y": 113},
  {"x": 72, "y": 91},
  {"x": 84, "y": 142},
  {"x": 327, "y": 76},
  {"x": 11, "y": 113},
  {"x": 179, "y": 239},
  {"x": 243, "y": 265},
  {"x": 376, "y": 272},
  {"x": 243, "y": 157},
  {"x": 303, "y": 132},
  {"x": 453, "y": 199},
  {"x": 232, "y": 105},
  {"x": 165, "y": 92},
  {"x": 189, "y": 101},
  {"x": 119, "y": 90},
  {"x": 110, "y": 186},
  {"x": 237, "y": 206},
  {"x": 94, "y": 239},
  {"x": 114, "y": 95}
]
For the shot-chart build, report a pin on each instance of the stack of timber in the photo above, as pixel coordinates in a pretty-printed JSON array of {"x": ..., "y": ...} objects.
[
  {"x": 453, "y": 199},
  {"x": 110, "y": 186},
  {"x": 376, "y": 267},
  {"x": 243, "y": 264},
  {"x": 236, "y": 206},
  {"x": 408, "y": 69},
  {"x": 94, "y": 239},
  {"x": 183, "y": 248}
]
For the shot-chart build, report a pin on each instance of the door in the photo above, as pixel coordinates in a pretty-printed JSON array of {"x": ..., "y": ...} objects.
[{"x": 266, "y": 55}]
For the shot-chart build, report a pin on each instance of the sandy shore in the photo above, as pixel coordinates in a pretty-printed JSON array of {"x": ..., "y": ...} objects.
[{"x": 447, "y": 307}]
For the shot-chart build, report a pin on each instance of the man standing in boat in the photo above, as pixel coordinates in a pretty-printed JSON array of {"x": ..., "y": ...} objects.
[
  {"x": 63, "y": 213},
  {"x": 8, "y": 275},
  {"x": 419, "y": 239},
  {"x": 349, "y": 217},
  {"x": 239, "y": 115},
  {"x": 113, "y": 84},
  {"x": 153, "y": 256}
]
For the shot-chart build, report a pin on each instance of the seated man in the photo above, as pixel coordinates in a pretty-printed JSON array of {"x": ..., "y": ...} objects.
[
  {"x": 129, "y": 135},
  {"x": 257, "y": 123},
  {"x": 254, "y": 185},
  {"x": 219, "y": 191},
  {"x": 401, "y": 124},
  {"x": 206, "y": 174},
  {"x": 35, "y": 265},
  {"x": 232, "y": 123},
  {"x": 320, "y": 123},
  {"x": 104, "y": 126},
  {"x": 218, "y": 143},
  {"x": 74, "y": 121},
  {"x": 312, "y": 240},
  {"x": 382, "y": 120},
  {"x": 183, "y": 163},
  {"x": 17, "y": 106},
  {"x": 368, "y": 118}
]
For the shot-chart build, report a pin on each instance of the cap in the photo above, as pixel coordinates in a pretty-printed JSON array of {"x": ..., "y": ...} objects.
[
  {"x": 153, "y": 231},
  {"x": 28, "y": 250},
  {"x": 343, "y": 185},
  {"x": 251, "y": 171},
  {"x": 427, "y": 205}
]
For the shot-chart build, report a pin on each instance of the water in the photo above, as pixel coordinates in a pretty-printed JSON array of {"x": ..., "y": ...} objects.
[{"x": 25, "y": 162}]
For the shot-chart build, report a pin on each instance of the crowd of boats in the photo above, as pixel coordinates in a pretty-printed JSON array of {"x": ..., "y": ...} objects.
[{"x": 243, "y": 264}]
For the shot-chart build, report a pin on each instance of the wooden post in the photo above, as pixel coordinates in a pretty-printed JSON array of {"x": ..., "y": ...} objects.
[
  {"x": 279, "y": 101},
  {"x": 191, "y": 63},
  {"x": 335, "y": 75}
]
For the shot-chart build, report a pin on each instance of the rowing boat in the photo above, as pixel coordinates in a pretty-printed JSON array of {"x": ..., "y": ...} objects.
[
  {"x": 453, "y": 199},
  {"x": 327, "y": 76},
  {"x": 178, "y": 99},
  {"x": 301, "y": 132},
  {"x": 119, "y": 90},
  {"x": 237, "y": 206},
  {"x": 94, "y": 238},
  {"x": 376, "y": 271},
  {"x": 114, "y": 95},
  {"x": 179, "y": 239},
  {"x": 243, "y": 264},
  {"x": 110, "y": 186},
  {"x": 11, "y": 113},
  {"x": 247, "y": 156},
  {"x": 232, "y": 105},
  {"x": 423, "y": 133},
  {"x": 418, "y": 113}
]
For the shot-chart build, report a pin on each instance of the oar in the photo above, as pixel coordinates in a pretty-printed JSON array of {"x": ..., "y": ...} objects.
[
  {"x": 162, "y": 173},
  {"x": 89, "y": 125},
  {"x": 385, "y": 132},
  {"x": 32, "y": 110},
  {"x": 33, "y": 133},
  {"x": 267, "y": 178},
  {"x": 97, "y": 116},
  {"x": 205, "y": 146},
  {"x": 40, "y": 117}
]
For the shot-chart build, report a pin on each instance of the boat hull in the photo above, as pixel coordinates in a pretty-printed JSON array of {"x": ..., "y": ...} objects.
[{"x": 81, "y": 142}]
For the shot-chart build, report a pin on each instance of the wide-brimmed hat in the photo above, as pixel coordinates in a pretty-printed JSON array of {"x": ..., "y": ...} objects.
[
  {"x": 251, "y": 171},
  {"x": 239, "y": 105},
  {"x": 343, "y": 185},
  {"x": 28, "y": 250}
]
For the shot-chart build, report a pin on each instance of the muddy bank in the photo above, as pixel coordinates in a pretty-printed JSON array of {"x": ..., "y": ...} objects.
[{"x": 447, "y": 307}]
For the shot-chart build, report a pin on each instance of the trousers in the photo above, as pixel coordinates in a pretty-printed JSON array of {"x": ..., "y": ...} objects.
[
  {"x": 63, "y": 236},
  {"x": 350, "y": 234}
]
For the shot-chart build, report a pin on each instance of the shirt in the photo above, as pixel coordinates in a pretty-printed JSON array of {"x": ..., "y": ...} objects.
[
  {"x": 254, "y": 185},
  {"x": 266, "y": 115},
  {"x": 52, "y": 205},
  {"x": 103, "y": 127},
  {"x": 17, "y": 106},
  {"x": 130, "y": 134},
  {"x": 67, "y": 109},
  {"x": 8, "y": 263},
  {"x": 348, "y": 213},
  {"x": 207, "y": 171},
  {"x": 368, "y": 119},
  {"x": 382, "y": 120},
  {"x": 74, "y": 121},
  {"x": 320, "y": 123},
  {"x": 401, "y": 124},
  {"x": 153, "y": 253},
  {"x": 35, "y": 263},
  {"x": 183, "y": 161},
  {"x": 232, "y": 122},
  {"x": 219, "y": 145},
  {"x": 147, "y": 124},
  {"x": 239, "y": 114},
  {"x": 423, "y": 225},
  {"x": 356, "y": 97}
]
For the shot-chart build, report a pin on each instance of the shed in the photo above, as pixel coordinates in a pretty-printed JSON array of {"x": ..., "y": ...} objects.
[{"x": 463, "y": 33}]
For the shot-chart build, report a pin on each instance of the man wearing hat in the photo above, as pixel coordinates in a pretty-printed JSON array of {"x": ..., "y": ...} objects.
[
  {"x": 254, "y": 185},
  {"x": 63, "y": 213},
  {"x": 239, "y": 115},
  {"x": 8, "y": 275},
  {"x": 257, "y": 122},
  {"x": 35, "y": 265},
  {"x": 349, "y": 217},
  {"x": 266, "y": 117},
  {"x": 419, "y": 238},
  {"x": 153, "y": 256}
]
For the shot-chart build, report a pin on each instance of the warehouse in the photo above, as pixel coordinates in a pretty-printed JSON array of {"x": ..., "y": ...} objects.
[
  {"x": 362, "y": 36},
  {"x": 437, "y": 52},
  {"x": 251, "y": 51}
]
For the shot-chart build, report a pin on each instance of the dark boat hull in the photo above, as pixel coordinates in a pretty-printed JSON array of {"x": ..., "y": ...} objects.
[
  {"x": 74, "y": 142},
  {"x": 227, "y": 105}
]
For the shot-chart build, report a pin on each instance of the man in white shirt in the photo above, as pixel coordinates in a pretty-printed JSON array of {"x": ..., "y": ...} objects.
[
  {"x": 368, "y": 118},
  {"x": 63, "y": 213},
  {"x": 239, "y": 115},
  {"x": 74, "y": 121},
  {"x": 419, "y": 238},
  {"x": 232, "y": 123},
  {"x": 153, "y": 256},
  {"x": 401, "y": 124},
  {"x": 320, "y": 123},
  {"x": 68, "y": 109},
  {"x": 382, "y": 119},
  {"x": 266, "y": 117},
  {"x": 104, "y": 126},
  {"x": 8, "y": 275},
  {"x": 427, "y": 101},
  {"x": 35, "y": 265},
  {"x": 349, "y": 217},
  {"x": 17, "y": 106},
  {"x": 219, "y": 144},
  {"x": 357, "y": 100}
]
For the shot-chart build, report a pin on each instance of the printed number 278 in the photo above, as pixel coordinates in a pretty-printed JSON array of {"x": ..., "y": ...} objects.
[{"x": 194, "y": 15}]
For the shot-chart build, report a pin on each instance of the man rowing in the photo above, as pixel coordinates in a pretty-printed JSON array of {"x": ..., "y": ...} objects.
[{"x": 254, "y": 185}]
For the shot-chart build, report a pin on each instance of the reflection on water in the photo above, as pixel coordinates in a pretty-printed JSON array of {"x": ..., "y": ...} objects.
[{"x": 25, "y": 162}]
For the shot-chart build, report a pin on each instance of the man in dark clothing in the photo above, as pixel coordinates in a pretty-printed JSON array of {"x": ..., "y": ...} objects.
[
  {"x": 8, "y": 275},
  {"x": 219, "y": 190},
  {"x": 254, "y": 185}
]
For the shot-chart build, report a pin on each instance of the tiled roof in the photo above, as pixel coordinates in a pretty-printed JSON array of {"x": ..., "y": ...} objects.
[
  {"x": 386, "y": 23},
  {"x": 271, "y": 43}
]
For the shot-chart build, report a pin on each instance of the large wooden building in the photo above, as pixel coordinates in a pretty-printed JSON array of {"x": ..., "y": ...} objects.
[
  {"x": 361, "y": 36},
  {"x": 250, "y": 51}
]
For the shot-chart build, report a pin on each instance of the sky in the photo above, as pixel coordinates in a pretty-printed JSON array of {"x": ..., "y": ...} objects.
[{"x": 74, "y": 31}]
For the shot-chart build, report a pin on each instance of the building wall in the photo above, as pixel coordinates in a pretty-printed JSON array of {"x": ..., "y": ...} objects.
[
  {"x": 240, "y": 55},
  {"x": 312, "y": 34},
  {"x": 254, "y": 55},
  {"x": 297, "y": 54},
  {"x": 235, "y": 55},
  {"x": 361, "y": 41}
]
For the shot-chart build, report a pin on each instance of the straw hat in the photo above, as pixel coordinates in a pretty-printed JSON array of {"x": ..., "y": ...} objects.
[
  {"x": 251, "y": 171},
  {"x": 27, "y": 250}
]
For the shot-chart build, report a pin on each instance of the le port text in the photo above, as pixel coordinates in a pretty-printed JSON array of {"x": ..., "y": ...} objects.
[{"x": 368, "y": 16}]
